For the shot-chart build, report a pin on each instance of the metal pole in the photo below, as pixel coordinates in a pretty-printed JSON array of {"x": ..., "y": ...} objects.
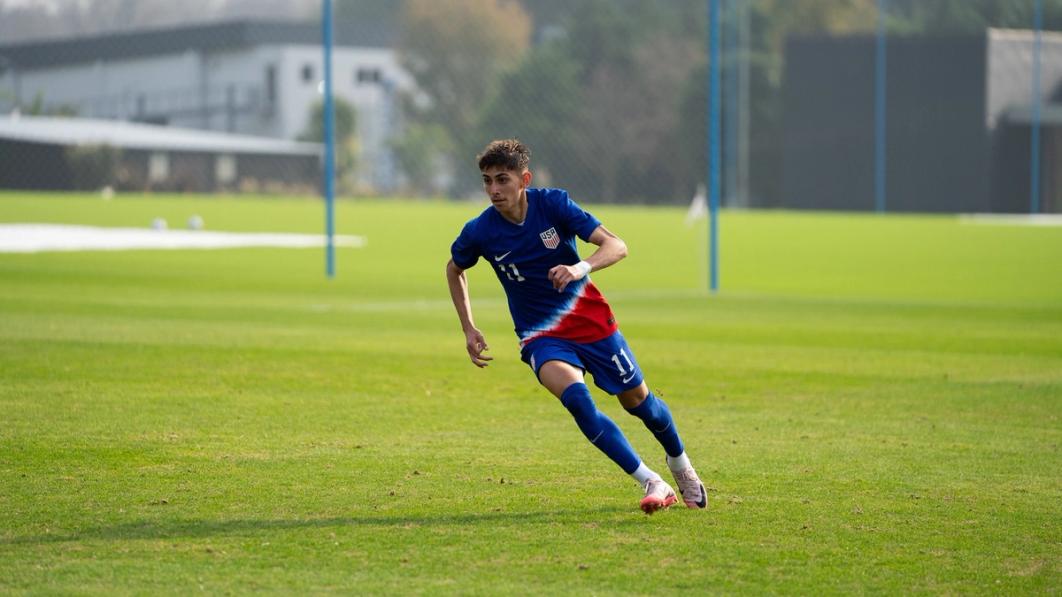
[
  {"x": 880, "y": 139},
  {"x": 731, "y": 105},
  {"x": 330, "y": 141},
  {"x": 1037, "y": 101},
  {"x": 743, "y": 111},
  {"x": 714, "y": 97}
]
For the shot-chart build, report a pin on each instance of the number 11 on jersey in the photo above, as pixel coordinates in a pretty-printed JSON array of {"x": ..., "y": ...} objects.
[{"x": 515, "y": 272}]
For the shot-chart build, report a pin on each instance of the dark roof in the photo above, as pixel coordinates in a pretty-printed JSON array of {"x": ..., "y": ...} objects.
[{"x": 175, "y": 40}]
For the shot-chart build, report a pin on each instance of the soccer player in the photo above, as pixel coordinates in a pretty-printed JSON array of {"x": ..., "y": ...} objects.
[{"x": 564, "y": 324}]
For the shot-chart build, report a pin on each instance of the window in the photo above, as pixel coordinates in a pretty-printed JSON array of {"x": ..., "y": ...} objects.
[
  {"x": 307, "y": 73},
  {"x": 271, "y": 84},
  {"x": 367, "y": 75},
  {"x": 158, "y": 167},
  {"x": 225, "y": 169}
]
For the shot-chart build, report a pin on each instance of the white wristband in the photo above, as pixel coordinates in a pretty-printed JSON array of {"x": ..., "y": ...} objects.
[{"x": 583, "y": 268}]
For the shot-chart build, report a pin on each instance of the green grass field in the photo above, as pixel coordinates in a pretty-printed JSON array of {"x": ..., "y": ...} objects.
[{"x": 874, "y": 402}]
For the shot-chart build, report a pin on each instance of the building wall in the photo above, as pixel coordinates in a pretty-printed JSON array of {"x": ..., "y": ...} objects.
[
  {"x": 1010, "y": 68},
  {"x": 938, "y": 151},
  {"x": 231, "y": 84},
  {"x": 231, "y": 89},
  {"x": 1011, "y": 180},
  {"x": 49, "y": 166},
  {"x": 1009, "y": 117},
  {"x": 827, "y": 143},
  {"x": 109, "y": 89},
  {"x": 39, "y": 167},
  {"x": 373, "y": 100}
]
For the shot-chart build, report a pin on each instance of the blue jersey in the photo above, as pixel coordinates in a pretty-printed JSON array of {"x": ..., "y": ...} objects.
[{"x": 523, "y": 254}]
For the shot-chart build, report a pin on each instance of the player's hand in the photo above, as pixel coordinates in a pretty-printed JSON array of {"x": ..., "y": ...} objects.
[
  {"x": 475, "y": 343},
  {"x": 562, "y": 275}
]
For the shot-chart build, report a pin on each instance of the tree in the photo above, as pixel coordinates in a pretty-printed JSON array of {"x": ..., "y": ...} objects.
[
  {"x": 456, "y": 51},
  {"x": 418, "y": 151},
  {"x": 663, "y": 159},
  {"x": 600, "y": 104},
  {"x": 345, "y": 129},
  {"x": 539, "y": 102},
  {"x": 967, "y": 16}
]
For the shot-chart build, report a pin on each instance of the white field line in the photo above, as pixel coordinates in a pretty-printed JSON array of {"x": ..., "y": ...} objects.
[
  {"x": 1012, "y": 219},
  {"x": 36, "y": 238}
]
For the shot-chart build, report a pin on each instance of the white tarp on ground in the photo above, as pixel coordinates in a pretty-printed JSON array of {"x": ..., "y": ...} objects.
[{"x": 35, "y": 238}]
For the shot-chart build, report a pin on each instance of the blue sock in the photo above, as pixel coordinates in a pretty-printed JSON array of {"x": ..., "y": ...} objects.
[
  {"x": 657, "y": 418},
  {"x": 598, "y": 428}
]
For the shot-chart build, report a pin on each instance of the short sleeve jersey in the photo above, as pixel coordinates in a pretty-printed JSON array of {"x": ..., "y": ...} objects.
[{"x": 523, "y": 254}]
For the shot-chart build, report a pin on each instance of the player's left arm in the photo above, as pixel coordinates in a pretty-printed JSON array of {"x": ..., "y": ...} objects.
[{"x": 610, "y": 249}]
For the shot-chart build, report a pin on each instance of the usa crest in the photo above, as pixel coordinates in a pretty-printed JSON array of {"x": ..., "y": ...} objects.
[{"x": 550, "y": 238}]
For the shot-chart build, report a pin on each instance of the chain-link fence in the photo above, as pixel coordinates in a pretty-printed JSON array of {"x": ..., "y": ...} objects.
[{"x": 899, "y": 105}]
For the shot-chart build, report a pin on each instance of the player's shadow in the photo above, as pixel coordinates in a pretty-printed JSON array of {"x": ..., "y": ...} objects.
[{"x": 193, "y": 528}]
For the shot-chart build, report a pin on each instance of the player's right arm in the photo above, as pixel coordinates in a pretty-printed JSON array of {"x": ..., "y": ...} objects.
[
  {"x": 475, "y": 343},
  {"x": 610, "y": 249}
]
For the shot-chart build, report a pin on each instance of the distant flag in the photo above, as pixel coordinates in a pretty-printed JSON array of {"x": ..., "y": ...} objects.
[{"x": 698, "y": 207}]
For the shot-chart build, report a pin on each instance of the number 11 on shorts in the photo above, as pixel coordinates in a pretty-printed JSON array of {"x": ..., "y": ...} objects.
[{"x": 616, "y": 359}]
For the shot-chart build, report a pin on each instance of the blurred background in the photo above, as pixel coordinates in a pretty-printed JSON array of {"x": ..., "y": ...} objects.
[{"x": 897, "y": 105}]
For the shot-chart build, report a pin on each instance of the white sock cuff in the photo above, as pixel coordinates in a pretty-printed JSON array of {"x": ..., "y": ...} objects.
[
  {"x": 643, "y": 473},
  {"x": 679, "y": 462}
]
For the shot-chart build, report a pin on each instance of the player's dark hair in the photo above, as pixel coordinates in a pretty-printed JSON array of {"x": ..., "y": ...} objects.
[{"x": 510, "y": 154}]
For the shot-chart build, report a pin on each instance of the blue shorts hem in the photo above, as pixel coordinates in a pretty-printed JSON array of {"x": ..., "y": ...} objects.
[{"x": 609, "y": 361}]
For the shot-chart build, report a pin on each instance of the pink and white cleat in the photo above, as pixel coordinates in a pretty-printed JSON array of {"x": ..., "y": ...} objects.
[
  {"x": 691, "y": 488},
  {"x": 658, "y": 495}
]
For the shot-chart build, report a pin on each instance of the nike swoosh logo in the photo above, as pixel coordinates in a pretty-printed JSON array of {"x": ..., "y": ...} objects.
[
  {"x": 500, "y": 257},
  {"x": 626, "y": 379}
]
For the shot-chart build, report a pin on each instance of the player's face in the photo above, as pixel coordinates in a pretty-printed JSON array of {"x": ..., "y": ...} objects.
[{"x": 505, "y": 188}]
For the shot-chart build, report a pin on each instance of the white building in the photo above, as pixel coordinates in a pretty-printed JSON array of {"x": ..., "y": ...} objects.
[{"x": 247, "y": 77}]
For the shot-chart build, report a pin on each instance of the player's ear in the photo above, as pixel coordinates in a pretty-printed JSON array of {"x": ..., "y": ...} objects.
[{"x": 525, "y": 178}]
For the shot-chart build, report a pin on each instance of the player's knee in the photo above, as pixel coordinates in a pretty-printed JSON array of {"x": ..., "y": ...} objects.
[
  {"x": 634, "y": 396},
  {"x": 576, "y": 398},
  {"x": 654, "y": 412}
]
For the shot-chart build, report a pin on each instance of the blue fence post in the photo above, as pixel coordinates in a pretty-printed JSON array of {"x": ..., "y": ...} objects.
[
  {"x": 329, "y": 140},
  {"x": 880, "y": 117},
  {"x": 731, "y": 100},
  {"x": 1037, "y": 101},
  {"x": 714, "y": 99}
]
